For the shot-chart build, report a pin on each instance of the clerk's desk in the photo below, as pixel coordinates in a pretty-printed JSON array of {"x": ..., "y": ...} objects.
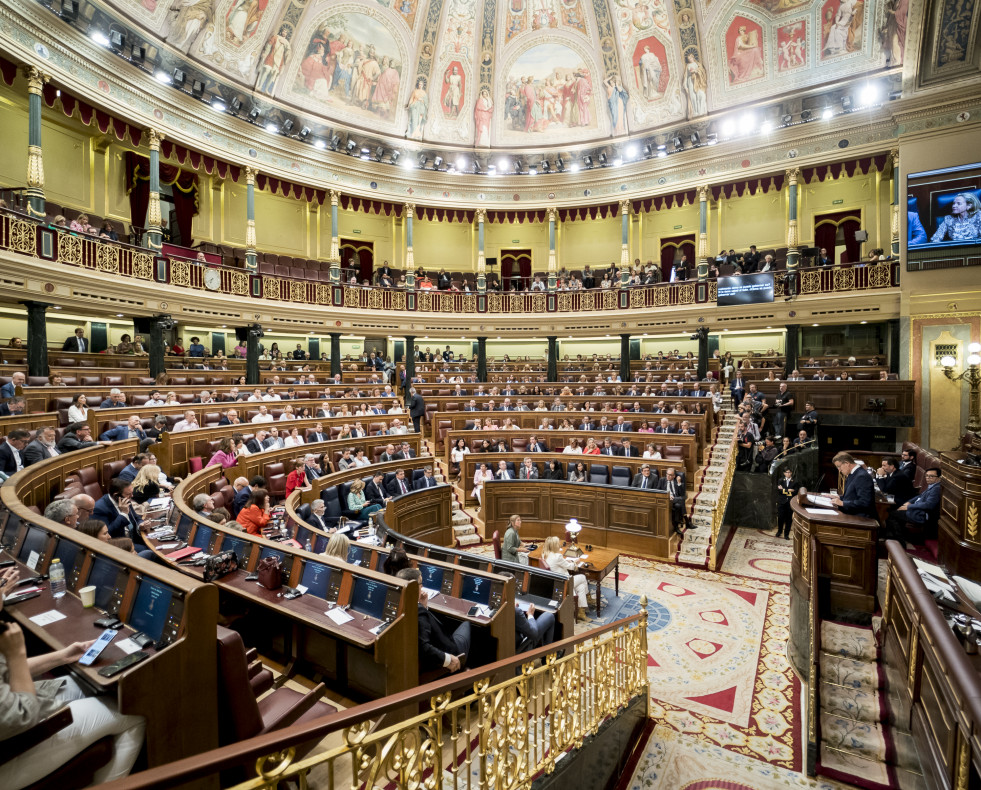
[
  {"x": 175, "y": 689},
  {"x": 373, "y": 655}
]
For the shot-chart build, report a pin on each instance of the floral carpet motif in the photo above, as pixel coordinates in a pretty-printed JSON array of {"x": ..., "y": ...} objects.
[{"x": 759, "y": 555}]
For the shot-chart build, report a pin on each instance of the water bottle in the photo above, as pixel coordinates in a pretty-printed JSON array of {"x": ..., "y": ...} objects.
[
  {"x": 308, "y": 546},
  {"x": 56, "y": 576}
]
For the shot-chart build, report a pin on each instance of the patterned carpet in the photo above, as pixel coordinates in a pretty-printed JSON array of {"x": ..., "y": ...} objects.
[{"x": 758, "y": 554}]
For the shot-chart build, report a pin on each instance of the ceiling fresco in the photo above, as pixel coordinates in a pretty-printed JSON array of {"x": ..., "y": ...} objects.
[{"x": 513, "y": 73}]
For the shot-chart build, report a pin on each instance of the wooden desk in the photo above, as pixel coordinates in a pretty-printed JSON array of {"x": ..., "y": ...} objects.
[{"x": 600, "y": 563}]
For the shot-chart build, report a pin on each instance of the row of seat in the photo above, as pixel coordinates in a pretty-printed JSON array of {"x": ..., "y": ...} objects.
[
  {"x": 598, "y": 473},
  {"x": 335, "y": 497}
]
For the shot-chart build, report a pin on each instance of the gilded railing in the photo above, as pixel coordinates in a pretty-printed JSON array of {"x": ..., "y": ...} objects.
[
  {"x": 479, "y": 731},
  {"x": 719, "y": 506},
  {"x": 27, "y": 237}
]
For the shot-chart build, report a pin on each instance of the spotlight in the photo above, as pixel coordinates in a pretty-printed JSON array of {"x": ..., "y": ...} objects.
[
  {"x": 631, "y": 150},
  {"x": 573, "y": 167},
  {"x": 304, "y": 133},
  {"x": 99, "y": 38},
  {"x": 678, "y": 143},
  {"x": 545, "y": 167},
  {"x": 532, "y": 171},
  {"x": 602, "y": 158},
  {"x": 437, "y": 162},
  {"x": 379, "y": 153},
  {"x": 218, "y": 104},
  {"x": 351, "y": 145},
  {"x": 408, "y": 163},
  {"x": 648, "y": 151},
  {"x": 395, "y": 156},
  {"x": 618, "y": 161},
  {"x": 517, "y": 166},
  {"x": 806, "y": 116},
  {"x": 491, "y": 170},
  {"x": 271, "y": 127},
  {"x": 728, "y": 127},
  {"x": 179, "y": 78},
  {"x": 662, "y": 147},
  {"x": 117, "y": 40},
  {"x": 869, "y": 94},
  {"x": 476, "y": 167},
  {"x": 786, "y": 119},
  {"x": 712, "y": 139},
  {"x": 587, "y": 161},
  {"x": 137, "y": 54},
  {"x": 162, "y": 76},
  {"x": 69, "y": 10},
  {"x": 766, "y": 127},
  {"x": 827, "y": 114},
  {"x": 254, "y": 114},
  {"x": 422, "y": 160},
  {"x": 366, "y": 154},
  {"x": 320, "y": 143},
  {"x": 896, "y": 94},
  {"x": 695, "y": 138},
  {"x": 461, "y": 163},
  {"x": 334, "y": 141},
  {"x": 235, "y": 105},
  {"x": 503, "y": 164},
  {"x": 287, "y": 126},
  {"x": 661, "y": 154},
  {"x": 747, "y": 123},
  {"x": 846, "y": 103},
  {"x": 559, "y": 164},
  {"x": 197, "y": 89}
]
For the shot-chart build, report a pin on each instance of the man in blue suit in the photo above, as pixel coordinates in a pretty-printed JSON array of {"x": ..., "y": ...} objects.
[
  {"x": 18, "y": 379},
  {"x": 858, "y": 498},
  {"x": 916, "y": 234},
  {"x": 132, "y": 430},
  {"x": 113, "y": 508},
  {"x": 738, "y": 388},
  {"x": 917, "y": 519}
]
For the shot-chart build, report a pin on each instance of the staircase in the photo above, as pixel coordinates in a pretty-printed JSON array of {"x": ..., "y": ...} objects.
[
  {"x": 464, "y": 531},
  {"x": 859, "y": 744},
  {"x": 696, "y": 545}
]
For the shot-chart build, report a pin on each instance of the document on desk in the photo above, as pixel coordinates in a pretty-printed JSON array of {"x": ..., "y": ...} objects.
[
  {"x": 930, "y": 568},
  {"x": 816, "y": 511},
  {"x": 821, "y": 501},
  {"x": 47, "y": 618},
  {"x": 430, "y": 592},
  {"x": 339, "y": 616}
]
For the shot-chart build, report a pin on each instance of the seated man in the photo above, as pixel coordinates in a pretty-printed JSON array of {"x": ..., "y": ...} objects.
[
  {"x": 917, "y": 519},
  {"x": 435, "y": 648},
  {"x": 645, "y": 478},
  {"x": 891, "y": 481},
  {"x": 532, "y": 629}
]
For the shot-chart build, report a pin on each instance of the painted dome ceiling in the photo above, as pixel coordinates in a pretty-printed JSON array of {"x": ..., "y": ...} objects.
[{"x": 521, "y": 73}]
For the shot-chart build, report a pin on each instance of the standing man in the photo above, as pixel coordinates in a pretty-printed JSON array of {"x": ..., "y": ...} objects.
[
  {"x": 417, "y": 408},
  {"x": 858, "y": 498},
  {"x": 785, "y": 405},
  {"x": 786, "y": 491},
  {"x": 675, "y": 486},
  {"x": 77, "y": 342}
]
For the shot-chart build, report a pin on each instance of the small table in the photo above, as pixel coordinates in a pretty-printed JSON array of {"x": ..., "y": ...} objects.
[{"x": 601, "y": 562}]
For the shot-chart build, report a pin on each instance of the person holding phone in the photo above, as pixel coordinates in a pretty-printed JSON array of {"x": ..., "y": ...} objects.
[{"x": 24, "y": 702}]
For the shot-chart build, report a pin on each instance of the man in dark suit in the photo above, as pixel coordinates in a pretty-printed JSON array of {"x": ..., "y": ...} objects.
[
  {"x": 891, "y": 481},
  {"x": 664, "y": 426},
  {"x": 822, "y": 259},
  {"x": 310, "y": 469},
  {"x": 389, "y": 455},
  {"x": 10, "y": 451},
  {"x": 132, "y": 430},
  {"x": 535, "y": 446},
  {"x": 809, "y": 420},
  {"x": 374, "y": 490},
  {"x": 604, "y": 425},
  {"x": 751, "y": 260},
  {"x": 398, "y": 485},
  {"x": 646, "y": 478},
  {"x": 416, "y": 407},
  {"x": 587, "y": 425},
  {"x": 113, "y": 508},
  {"x": 41, "y": 446},
  {"x": 628, "y": 451},
  {"x": 917, "y": 519},
  {"x": 674, "y": 484},
  {"x": 316, "y": 518},
  {"x": 436, "y": 649},
  {"x": 609, "y": 448},
  {"x": 77, "y": 342},
  {"x": 404, "y": 453},
  {"x": 622, "y": 425},
  {"x": 17, "y": 379},
  {"x": 230, "y": 417},
  {"x": 255, "y": 444},
  {"x": 532, "y": 629},
  {"x": 132, "y": 469},
  {"x": 686, "y": 429},
  {"x": 821, "y": 376},
  {"x": 858, "y": 498},
  {"x": 317, "y": 434},
  {"x": 472, "y": 406},
  {"x": 907, "y": 465},
  {"x": 426, "y": 481},
  {"x": 78, "y": 436},
  {"x": 738, "y": 388},
  {"x": 13, "y": 407},
  {"x": 385, "y": 270}
]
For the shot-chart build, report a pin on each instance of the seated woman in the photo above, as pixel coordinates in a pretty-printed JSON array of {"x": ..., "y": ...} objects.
[
  {"x": 297, "y": 478},
  {"x": 225, "y": 454},
  {"x": 25, "y": 702},
  {"x": 95, "y": 529},
  {"x": 254, "y": 515},
  {"x": 553, "y": 471},
  {"x": 591, "y": 448},
  {"x": 555, "y": 560},
  {"x": 338, "y": 546},
  {"x": 459, "y": 450},
  {"x": 356, "y": 502},
  {"x": 482, "y": 474},
  {"x": 146, "y": 484},
  {"x": 396, "y": 560},
  {"x": 651, "y": 453},
  {"x": 579, "y": 474},
  {"x": 573, "y": 447},
  {"x": 293, "y": 439}
]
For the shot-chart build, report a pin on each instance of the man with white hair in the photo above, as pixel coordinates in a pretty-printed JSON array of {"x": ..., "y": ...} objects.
[
  {"x": 189, "y": 423},
  {"x": 203, "y": 505},
  {"x": 397, "y": 428},
  {"x": 115, "y": 400}
]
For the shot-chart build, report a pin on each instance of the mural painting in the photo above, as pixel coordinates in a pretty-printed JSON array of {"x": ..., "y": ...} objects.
[
  {"x": 454, "y": 89},
  {"x": 744, "y": 48},
  {"x": 186, "y": 20},
  {"x": 792, "y": 46},
  {"x": 650, "y": 64},
  {"x": 352, "y": 61},
  {"x": 640, "y": 17},
  {"x": 841, "y": 27},
  {"x": 780, "y": 6},
  {"x": 696, "y": 86},
  {"x": 273, "y": 60},
  {"x": 418, "y": 108},
  {"x": 242, "y": 20},
  {"x": 483, "y": 115},
  {"x": 894, "y": 39},
  {"x": 543, "y": 14},
  {"x": 549, "y": 87}
]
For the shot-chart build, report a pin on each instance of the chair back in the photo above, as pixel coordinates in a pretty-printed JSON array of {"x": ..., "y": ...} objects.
[
  {"x": 496, "y": 540},
  {"x": 242, "y": 719}
]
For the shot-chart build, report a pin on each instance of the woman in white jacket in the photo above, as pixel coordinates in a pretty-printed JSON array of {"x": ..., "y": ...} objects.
[{"x": 556, "y": 561}]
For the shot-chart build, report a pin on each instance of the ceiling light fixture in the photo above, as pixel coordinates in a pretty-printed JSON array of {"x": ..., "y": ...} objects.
[
  {"x": 559, "y": 164},
  {"x": 137, "y": 54},
  {"x": 503, "y": 164},
  {"x": 99, "y": 38},
  {"x": 766, "y": 127},
  {"x": 696, "y": 138},
  {"x": 351, "y": 146},
  {"x": 254, "y": 114},
  {"x": 179, "y": 78},
  {"x": 806, "y": 116},
  {"x": 235, "y": 105},
  {"x": 461, "y": 163},
  {"x": 394, "y": 156},
  {"x": 532, "y": 171},
  {"x": 602, "y": 158},
  {"x": 869, "y": 94},
  {"x": 437, "y": 162},
  {"x": 573, "y": 167},
  {"x": 320, "y": 143},
  {"x": 163, "y": 77},
  {"x": 678, "y": 143},
  {"x": 827, "y": 114},
  {"x": 545, "y": 167},
  {"x": 304, "y": 133},
  {"x": 712, "y": 139},
  {"x": 271, "y": 127},
  {"x": 846, "y": 103},
  {"x": 218, "y": 104},
  {"x": 786, "y": 119},
  {"x": 631, "y": 150},
  {"x": 287, "y": 126},
  {"x": 197, "y": 89}
]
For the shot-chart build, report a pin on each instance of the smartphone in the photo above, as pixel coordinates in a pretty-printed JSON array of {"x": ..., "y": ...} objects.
[
  {"x": 124, "y": 663},
  {"x": 474, "y": 610},
  {"x": 6, "y": 563},
  {"x": 100, "y": 644}
]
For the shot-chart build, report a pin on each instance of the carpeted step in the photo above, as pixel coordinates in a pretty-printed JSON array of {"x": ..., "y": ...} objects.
[
  {"x": 849, "y": 672},
  {"x": 848, "y": 641},
  {"x": 862, "y": 738},
  {"x": 855, "y": 703}
]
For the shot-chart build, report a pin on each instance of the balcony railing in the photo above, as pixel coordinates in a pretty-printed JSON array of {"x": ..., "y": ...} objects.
[{"x": 21, "y": 235}]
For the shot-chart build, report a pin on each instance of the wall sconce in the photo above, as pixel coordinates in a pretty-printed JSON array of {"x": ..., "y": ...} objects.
[{"x": 973, "y": 377}]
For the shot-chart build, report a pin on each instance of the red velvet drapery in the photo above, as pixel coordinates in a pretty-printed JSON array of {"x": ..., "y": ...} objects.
[
  {"x": 185, "y": 193},
  {"x": 672, "y": 248},
  {"x": 826, "y": 229}
]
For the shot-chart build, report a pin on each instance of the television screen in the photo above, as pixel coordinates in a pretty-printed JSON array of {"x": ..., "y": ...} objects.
[
  {"x": 67, "y": 551},
  {"x": 746, "y": 289},
  {"x": 8, "y": 527},
  {"x": 368, "y": 597},
  {"x": 35, "y": 540},
  {"x": 355, "y": 554},
  {"x": 202, "y": 537},
  {"x": 184, "y": 526},
  {"x": 149, "y": 613},
  {"x": 270, "y": 552},
  {"x": 316, "y": 578},
  {"x": 103, "y": 577},
  {"x": 241, "y": 547},
  {"x": 943, "y": 207},
  {"x": 432, "y": 576},
  {"x": 475, "y": 589}
]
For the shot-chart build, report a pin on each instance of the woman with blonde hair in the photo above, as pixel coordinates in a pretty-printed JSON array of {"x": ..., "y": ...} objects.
[
  {"x": 554, "y": 560},
  {"x": 357, "y": 503},
  {"x": 146, "y": 484},
  {"x": 338, "y": 546}
]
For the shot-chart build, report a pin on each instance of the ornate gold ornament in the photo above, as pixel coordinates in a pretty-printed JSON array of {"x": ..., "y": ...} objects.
[
  {"x": 69, "y": 249},
  {"x": 142, "y": 266},
  {"x": 35, "y": 167},
  {"x": 972, "y": 521},
  {"x": 250, "y": 243},
  {"x": 250, "y": 174},
  {"x": 107, "y": 258},
  {"x": 180, "y": 273},
  {"x": 153, "y": 139},
  {"x": 913, "y": 645},
  {"x": 793, "y": 235},
  {"x": 793, "y": 176},
  {"x": 270, "y": 288},
  {"x": 36, "y": 80},
  {"x": 23, "y": 239}
]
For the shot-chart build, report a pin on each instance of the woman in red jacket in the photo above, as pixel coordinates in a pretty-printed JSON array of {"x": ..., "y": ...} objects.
[
  {"x": 297, "y": 478},
  {"x": 255, "y": 514}
]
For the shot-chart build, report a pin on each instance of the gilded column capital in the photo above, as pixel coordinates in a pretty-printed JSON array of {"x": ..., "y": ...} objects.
[
  {"x": 335, "y": 197},
  {"x": 35, "y": 80},
  {"x": 553, "y": 214},
  {"x": 154, "y": 138},
  {"x": 894, "y": 155},
  {"x": 703, "y": 193},
  {"x": 250, "y": 174},
  {"x": 409, "y": 210},
  {"x": 793, "y": 175},
  {"x": 481, "y": 215},
  {"x": 624, "y": 206}
]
